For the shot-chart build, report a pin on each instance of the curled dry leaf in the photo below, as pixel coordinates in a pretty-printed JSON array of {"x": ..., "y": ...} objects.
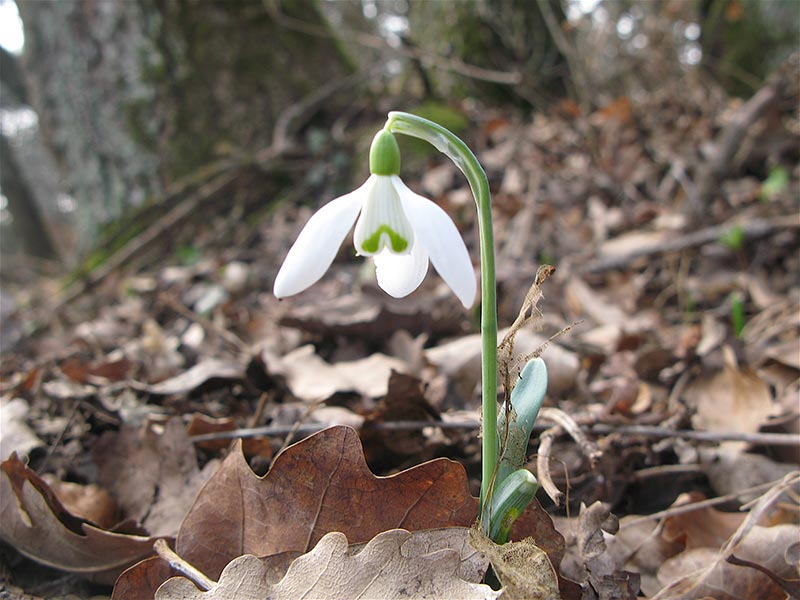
[
  {"x": 394, "y": 564},
  {"x": 761, "y": 566},
  {"x": 193, "y": 378},
  {"x": 311, "y": 378},
  {"x": 34, "y": 522},
  {"x": 90, "y": 502},
  {"x": 323, "y": 484},
  {"x": 590, "y": 558}
]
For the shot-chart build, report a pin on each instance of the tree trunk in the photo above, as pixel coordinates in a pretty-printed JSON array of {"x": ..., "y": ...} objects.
[
  {"x": 29, "y": 227},
  {"x": 134, "y": 95}
]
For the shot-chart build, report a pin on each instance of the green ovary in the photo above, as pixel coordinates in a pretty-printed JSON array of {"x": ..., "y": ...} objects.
[{"x": 397, "y": 242}]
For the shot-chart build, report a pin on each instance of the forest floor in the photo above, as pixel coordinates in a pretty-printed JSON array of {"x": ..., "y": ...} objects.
[{"x": 672, "y": 220}]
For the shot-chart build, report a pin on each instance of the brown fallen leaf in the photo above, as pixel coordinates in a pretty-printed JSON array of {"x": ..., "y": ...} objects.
[
  {"x": 733, "y": 399},
  {"x": 404, "y": 401},
  {"x": 394, "y": 564},
  {"x": 96, "y": 373},
  {"x": 141, "y": 581},
  {"x": 702, "y": 572},
  {"x": 323, "y": 484},
  {"x": 33, "y": 521},
  {"x": 203, "y": 424},
  {"x": 193, "y": 378},
  {"x": 154, "y": 476},
  {"x": 319, "y": 485}
]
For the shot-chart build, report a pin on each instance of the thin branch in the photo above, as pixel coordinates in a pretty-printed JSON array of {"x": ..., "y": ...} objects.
[
  {"x": 543, "y": 466},
  {"x": 309, "y": 428},
  {"x": 588, "y": 447},
  {"x": 764, "y": 439},
  {"x": 168, "y": 555}
]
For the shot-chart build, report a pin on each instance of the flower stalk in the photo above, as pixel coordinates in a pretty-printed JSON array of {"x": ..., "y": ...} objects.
[{"x": 457, "y": 151}]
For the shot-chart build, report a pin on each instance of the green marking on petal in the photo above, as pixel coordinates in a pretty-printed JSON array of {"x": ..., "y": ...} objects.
[{"x": 397, "y": 242}]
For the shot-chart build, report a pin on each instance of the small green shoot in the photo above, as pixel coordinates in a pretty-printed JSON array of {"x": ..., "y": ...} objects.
[
  {"x": 737, "y": 314},
  {"x": 188, "y": 255},
  {"x": 775, "y": 184},
  {"x": 733, "y": 239}
]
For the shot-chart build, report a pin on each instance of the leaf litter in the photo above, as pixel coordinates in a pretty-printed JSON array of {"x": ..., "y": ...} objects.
[{"x": 102, "y": 395}]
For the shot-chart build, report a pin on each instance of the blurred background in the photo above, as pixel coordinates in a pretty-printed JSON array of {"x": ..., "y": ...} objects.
[{"x": 111, "y": 112}]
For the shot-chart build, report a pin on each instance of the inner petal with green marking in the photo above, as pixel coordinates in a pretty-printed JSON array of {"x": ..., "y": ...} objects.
[
  {"x": 374, "y": 243},
  {"x": 383, "y": 223}
]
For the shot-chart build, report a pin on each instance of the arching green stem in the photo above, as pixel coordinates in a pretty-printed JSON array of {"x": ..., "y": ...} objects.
[{"x": 457, "y": 151}]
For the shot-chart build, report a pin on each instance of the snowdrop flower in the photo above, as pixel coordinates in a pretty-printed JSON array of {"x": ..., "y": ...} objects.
[{"x": 399, "y": 229}]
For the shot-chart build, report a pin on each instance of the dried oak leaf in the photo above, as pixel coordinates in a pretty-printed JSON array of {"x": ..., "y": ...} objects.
[
  {"x": 33, "y": 521},
  {"x": 522, "y": 567},
  {"x": 394, "y": 564},
  {"x": 323, "y": 484},
  {"x": 141, "y": 582}
]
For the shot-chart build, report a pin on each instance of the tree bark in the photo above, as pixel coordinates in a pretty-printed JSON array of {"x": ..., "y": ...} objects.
[
  {"x": 134, "y": 95},
  {"x": 28, "y": 224}
]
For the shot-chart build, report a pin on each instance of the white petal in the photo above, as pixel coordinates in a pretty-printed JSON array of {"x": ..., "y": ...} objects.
[
  {"x": 438, "y": 234},
  {"x": 316, "y": 246},
  {"x": 383, "y": 223},
  {"x": 400, "y": 274}
]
